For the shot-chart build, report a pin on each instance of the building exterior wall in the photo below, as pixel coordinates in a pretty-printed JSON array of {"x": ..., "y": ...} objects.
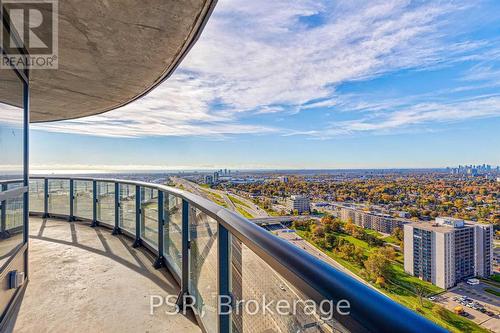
[
  {"x": 299, "y": 203},
  {"x": 464, "y": 252},
  {"x": 484, "y": 250},
  {"x": 369, "y": 220},
  {"x": 443, "y": 262},
  {"x": 446, "y": 254},
  {"x": 408, "y": 250}
]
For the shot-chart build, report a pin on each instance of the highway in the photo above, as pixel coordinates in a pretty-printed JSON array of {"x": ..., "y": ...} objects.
[{"x": 194, "y": 188}]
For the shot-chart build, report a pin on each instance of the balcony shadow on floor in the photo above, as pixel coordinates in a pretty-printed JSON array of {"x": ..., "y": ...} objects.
[
  {"x": 85, "y": 279},
  {"x": 141, "y": 266}
]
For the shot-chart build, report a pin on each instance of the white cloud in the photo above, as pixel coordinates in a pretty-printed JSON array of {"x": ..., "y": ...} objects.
[
  {"x": 262, "y": 57},
  {"x": 421, "y": 113}
]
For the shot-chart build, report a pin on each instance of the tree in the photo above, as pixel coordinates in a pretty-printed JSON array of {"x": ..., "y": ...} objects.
[
  {"x": 377, "y": 265},
  {"x": 388, "y": 252},
  {"x": 349, "y": 228},
  {"x": 318, "y": 232},
  {"x": 420, "y": 292},
  {"x": 331, "y": 241},
  {"x": 398, "y": 233},
  {"x": 304, "y": 225},
  {"x": 380, "y": 281}
]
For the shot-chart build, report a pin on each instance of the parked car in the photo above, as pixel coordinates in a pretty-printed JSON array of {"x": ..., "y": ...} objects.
[
  {"x": 483, "y": 310},
  {"x": 432, "y": 298},
  {"x": 489, "y": 313}
]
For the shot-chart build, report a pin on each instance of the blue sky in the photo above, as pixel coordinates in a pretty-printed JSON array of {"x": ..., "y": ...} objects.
[{"x": 309, "y": 84}]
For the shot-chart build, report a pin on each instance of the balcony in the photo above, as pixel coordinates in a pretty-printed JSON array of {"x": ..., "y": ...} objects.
[
  {"x": 106, "y": 255},
  {"x": 102, "y": 250},
  {"x": 85, "y": 279}
]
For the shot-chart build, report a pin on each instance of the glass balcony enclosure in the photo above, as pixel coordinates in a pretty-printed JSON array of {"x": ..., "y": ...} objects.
[
  {"x": 213, "y": 253},
  {"x": 217, "y": 255},
  {"x": 13, "y": 182}
]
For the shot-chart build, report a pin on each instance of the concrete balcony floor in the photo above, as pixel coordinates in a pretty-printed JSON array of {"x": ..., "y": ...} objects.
[{"x": 84, "y": 279}]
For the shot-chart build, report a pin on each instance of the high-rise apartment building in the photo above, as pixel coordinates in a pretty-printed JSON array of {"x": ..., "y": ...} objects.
[
  {"x": 448, "y": 251},
  {"x": 300, "y": 203},
  {"x": 370, "y": 220}
]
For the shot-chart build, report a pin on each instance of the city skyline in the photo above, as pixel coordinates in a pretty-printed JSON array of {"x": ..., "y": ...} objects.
[{"x": 308, "y": 86}]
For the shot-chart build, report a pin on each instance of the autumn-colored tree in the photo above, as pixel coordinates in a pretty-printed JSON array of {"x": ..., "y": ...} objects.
[
  {"x": 380, "y": 281},
  {"x": 318, "y": 232},
  {"x": 398, "y": 233},
  {"x": 377, "y": 265}
]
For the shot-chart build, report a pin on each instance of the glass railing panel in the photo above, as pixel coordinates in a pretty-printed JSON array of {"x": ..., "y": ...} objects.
[
  {"x": 106, "y": 202},
  {"x": 11, "y": 230},
  {"x": 14, "y": 210},
  {"x": 203, "y": 280},
  {"x": 255, "y": 282},
  {"x": 37, "y": 195},
  {"x": 149, "y": 217},
  {"x": 83, "y": 193},
  {"x": 59, "y": 196},
  {"x": 172, "y": 238},
  {"x": 127, "y": 207}
]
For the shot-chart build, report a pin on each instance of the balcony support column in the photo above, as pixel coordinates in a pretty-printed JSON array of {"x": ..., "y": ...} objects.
[
  {"x": 224, "y": 278},
  {"x": 95, "y": 201},
  {"x": 185, "y": 256},
  {"x": 46, "y": 198},
  {"x": 138, "y": 240},
  {"x": 160, "y": 260},
  {"x": 116, "y": 229}
]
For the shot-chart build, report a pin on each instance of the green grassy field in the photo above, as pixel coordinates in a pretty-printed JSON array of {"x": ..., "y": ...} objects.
[
  {"x": 391, "y": 239},
  {"x": 401, "y": 289},
  {"x": 215, "y": 197},
  {"x": 492, "y": 291},
  {"x": 495, "y": 277},
  {"x": 237, "y": 201},
  {"x": 244, "y": 213}
]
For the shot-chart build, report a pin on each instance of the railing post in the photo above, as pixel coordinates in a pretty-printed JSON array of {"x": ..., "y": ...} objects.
[
  {"x": 71, "y": 200},
  {"x": 166, "y": 224},
  {"x": 138, "y": 241},
  {"x": 160, "y": 261},
  {"x": 224, "y": 277},
  {"x": 45, "y": 197},
  {"x": 116, "y": 229},
  {"x": 3, "y": 216},
  {"x": 185, "y": 255},
  {"x": 95, "y": 201}
]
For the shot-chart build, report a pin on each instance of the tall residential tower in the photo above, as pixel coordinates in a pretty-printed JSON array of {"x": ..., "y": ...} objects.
[{"x": 448, "y": 251}]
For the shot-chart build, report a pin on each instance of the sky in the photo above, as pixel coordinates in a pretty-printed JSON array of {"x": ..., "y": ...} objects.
[{"x": 308, "y": 85}]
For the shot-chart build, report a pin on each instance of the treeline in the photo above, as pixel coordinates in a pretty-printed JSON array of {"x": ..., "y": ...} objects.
[
  {"x": 327, "y": 234},
  {"x": 423, "y": 196}
]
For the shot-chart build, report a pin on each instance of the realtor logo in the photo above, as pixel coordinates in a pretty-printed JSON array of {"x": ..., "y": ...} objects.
[{"x": 29, "y": 35}]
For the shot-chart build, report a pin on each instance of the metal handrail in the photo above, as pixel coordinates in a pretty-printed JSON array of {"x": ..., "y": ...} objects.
[{"x": 370, "y": 310}]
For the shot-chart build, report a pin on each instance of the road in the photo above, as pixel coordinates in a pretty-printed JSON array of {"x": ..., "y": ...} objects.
[
  {"x": 194, "y": 188},
  {"x": 274, "y": 286}
]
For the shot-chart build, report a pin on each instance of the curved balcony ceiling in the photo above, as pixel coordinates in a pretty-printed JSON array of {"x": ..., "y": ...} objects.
[{"x": 113, "y": 52}]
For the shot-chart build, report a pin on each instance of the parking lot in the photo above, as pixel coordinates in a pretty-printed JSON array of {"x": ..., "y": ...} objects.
[{"x": 479, "y": 298}]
